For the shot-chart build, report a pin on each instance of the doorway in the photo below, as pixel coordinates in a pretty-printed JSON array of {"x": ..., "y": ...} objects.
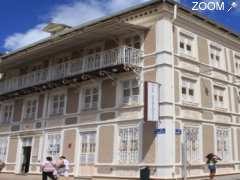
[
  {"x": 26, "y": 159},
  {"x": 25, "y": 155}
]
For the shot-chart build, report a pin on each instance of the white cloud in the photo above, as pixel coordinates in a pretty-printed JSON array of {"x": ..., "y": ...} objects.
[
  {"x": 71, "y": 14},
  {"x": 18, "y": 40}
]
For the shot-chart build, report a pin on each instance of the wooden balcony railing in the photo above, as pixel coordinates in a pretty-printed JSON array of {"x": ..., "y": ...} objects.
[{"x": 118, "y": 56}]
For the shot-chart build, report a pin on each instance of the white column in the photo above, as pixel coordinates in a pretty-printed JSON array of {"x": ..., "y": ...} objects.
[{"x": 165, "y": 156}]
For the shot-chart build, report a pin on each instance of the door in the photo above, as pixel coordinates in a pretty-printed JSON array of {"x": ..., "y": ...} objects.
[{"x": 26, "y": 159}]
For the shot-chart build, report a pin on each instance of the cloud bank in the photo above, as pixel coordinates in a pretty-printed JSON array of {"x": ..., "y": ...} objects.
[{"x": 71, "y": 14}]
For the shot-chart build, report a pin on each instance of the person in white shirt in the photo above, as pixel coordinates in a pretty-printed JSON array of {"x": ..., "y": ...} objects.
[{"x": 63, "y": 168}]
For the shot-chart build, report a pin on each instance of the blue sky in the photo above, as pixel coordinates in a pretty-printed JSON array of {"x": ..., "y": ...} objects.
[{"x": 22, "y": 21}]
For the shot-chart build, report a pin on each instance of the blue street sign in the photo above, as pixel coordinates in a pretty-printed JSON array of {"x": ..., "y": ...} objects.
[
  {"x": 178, "y": 131},
  {"x": 160, "y": 131}
]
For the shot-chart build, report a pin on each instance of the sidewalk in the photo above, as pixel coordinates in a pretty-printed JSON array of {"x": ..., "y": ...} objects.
[
  {"x": 22, "y": 177},
  {"x": 38, "y": 177}
]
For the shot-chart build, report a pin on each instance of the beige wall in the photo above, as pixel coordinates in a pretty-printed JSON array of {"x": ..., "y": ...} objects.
[
  {"x": 108, "y": 94},
  {"x": 106, "y": 144},
  {"x": 175, "y": 40},
  {"x": 150, "y": 41},
  {"x": 72, "y": 100},
  {"x": 206, "y": 93},
  {"x": 149, "y": 142},
  {"x": 177, "y": 86},
  {"x": 12, "y": 150},
  {"x": 150, "y": 75},
  {"x": 69, "y": 142},
  {"x": 203, "y": 50},
  {"x": 208, "y": 140}
]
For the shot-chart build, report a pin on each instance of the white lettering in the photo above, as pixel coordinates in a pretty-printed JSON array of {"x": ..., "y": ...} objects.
[
  {"x": 202, "y": 6},
  {"x": 211, "y": 6},
  {"x": 195, "y": 6},
  {"x": 219, "y": 6}
]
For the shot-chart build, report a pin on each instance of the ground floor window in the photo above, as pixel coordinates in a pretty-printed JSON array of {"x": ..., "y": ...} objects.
[
  {"x": 223, "y": 143},
  {"x": 54, "y": 145},
  {"x": 192, "y": 142},
  {"x": 3, "y": 148},
  {"x": 129, "y": 145},
  {"x": 87, "y": 147}
]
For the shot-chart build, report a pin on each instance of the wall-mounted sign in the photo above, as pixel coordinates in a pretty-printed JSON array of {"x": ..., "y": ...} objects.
[
  {"x": 178, "y": 131},
  {"x": 160, "y": 131},
  {"x": 151, "y": 101}
]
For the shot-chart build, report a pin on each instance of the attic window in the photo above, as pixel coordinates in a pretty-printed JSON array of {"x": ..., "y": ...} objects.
[{"x": 54, "y": 28}]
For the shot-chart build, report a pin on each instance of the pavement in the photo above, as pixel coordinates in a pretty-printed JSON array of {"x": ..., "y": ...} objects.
[{"x": 38, "y": 177}]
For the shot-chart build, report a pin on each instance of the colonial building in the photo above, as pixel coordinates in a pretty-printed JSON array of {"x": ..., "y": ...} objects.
[{"x": 80, "y": 93}]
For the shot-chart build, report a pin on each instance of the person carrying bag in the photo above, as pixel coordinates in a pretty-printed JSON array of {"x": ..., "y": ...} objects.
[{"x": 48, "y": 169}]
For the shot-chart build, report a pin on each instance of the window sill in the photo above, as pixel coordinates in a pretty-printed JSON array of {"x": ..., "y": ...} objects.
[
  {"x": 29, "y": 119},
  {"x": 89, "y": 110},
  {"x": 186, "y": 56},
  {"x": 125, "y": 106},
  {"x": 189, "y": 103},
  {"x": 55, "y": 115},
  {"x": 222, "y": 109}
]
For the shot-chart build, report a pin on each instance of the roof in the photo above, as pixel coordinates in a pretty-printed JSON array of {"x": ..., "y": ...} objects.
[{"x": 103, "y": 19}]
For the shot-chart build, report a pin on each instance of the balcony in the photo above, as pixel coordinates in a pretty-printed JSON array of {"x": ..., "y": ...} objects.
[{"x": 121, "y": 59}]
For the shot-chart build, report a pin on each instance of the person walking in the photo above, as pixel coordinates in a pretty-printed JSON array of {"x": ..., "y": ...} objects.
[
  {"x": 63, "y": 168},
  {"x": 212, "y": 159},
  {"x": 2, "y": 165},
  {"x": 48, "y": 169}
]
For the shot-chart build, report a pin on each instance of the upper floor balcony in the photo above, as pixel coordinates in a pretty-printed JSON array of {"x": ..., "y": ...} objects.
[{"x": 120, "y": 59}]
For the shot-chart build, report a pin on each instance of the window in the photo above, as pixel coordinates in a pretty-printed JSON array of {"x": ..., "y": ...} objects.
[
  {"x": 88, "y": 148},
  {"x": 215, "y": 56},
  {"x": 30, "y": 109},
  {"x": 219, "y": 97},
  {"x": 134, "y": 41},
  {"x": 90, "y": 98},
  {"x": 54, "y": 145},
  {"x": 237, "y": 64},
  {"x": 223, "y": 143},
  {"x": 129, "y": 145},
  {"x": 188, "y": 90},
  {"x": 3, "y": 148},
  {"x": 186, "y": 44},
  {"x": 7, "y": 113},
  {"x": 57, "y": 104},
  {"x": 192, "y": 139},
  {"x": 130, "y": 92}
]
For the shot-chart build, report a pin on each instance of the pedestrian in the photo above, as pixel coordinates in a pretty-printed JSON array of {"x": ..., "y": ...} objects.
[
  {"x": 63, "y": 168},
  {"x": 2, "y": 165},
  {"x": 212, "y": 159},
  {"x": 48, "y": 169}
]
